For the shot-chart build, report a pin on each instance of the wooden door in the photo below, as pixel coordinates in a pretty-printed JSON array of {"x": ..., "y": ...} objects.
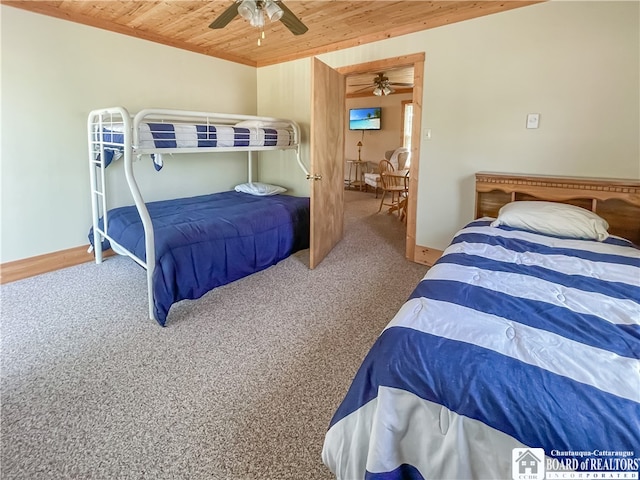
[{"x": 327, "y": 160}]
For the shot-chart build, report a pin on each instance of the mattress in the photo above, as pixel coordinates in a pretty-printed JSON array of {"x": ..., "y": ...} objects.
[
  {"x": 515, "y": 346},
  {"x": 157, "y": 136},
  {"x": 206, "y": 241}
]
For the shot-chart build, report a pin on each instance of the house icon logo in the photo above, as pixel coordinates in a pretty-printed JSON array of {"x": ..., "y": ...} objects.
[{"x": 527, "y": 464}]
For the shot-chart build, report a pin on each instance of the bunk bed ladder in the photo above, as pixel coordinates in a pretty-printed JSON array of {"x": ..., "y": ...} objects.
[
  {"x": 98, "y": 121},
  {"x": 97, "y": 181}
]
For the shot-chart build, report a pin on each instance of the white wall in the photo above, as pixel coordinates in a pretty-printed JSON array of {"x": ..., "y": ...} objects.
[
  {"x": 54, "y": 73},
  {"x": 284, "y": 90},
  {"x": 575, "y": 63}
]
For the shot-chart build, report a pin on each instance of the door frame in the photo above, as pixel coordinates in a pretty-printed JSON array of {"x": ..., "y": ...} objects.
[{"x": 417, "y": 60}]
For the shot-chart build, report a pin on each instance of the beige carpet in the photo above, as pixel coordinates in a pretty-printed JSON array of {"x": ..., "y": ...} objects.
[{"x": 241, "y": 384}]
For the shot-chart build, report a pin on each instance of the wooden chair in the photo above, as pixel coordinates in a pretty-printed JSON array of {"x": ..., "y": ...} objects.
[
  {"x": 404, "y": 198},
  {"x": 398, "y": 159},
  {"x": 391, "y": 184}
]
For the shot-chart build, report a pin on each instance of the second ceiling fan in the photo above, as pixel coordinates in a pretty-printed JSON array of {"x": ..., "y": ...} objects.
[{"x": 381, "y": 85}]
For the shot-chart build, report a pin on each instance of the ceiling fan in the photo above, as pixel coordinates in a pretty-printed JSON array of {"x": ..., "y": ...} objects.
[
  {"x": 381, "y": 85},
  {"x": 255, "y": 12}
]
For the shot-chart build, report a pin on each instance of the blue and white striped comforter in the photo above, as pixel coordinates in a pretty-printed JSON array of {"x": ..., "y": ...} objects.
[
  {"x": 169, "y": 135},
  {"x": 513, "y": 339},
  {"x": 155, "y": 136}
]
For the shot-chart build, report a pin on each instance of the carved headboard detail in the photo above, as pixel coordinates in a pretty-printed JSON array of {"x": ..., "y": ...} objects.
[{"x": 615, "y": 200}]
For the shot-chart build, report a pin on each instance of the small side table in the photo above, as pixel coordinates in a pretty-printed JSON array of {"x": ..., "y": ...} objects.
[{"x": 357, "y": 182}]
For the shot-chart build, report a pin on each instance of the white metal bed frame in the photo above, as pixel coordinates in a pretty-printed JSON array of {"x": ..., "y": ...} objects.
[{"x": 119, "y": 116}]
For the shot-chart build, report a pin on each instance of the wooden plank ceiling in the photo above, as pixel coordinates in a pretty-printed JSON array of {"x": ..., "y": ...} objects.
[{"x": 333, "y": 24}]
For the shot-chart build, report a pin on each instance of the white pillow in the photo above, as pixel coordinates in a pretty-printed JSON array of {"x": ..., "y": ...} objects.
[
  {"x": 553, "y": 219},
  {"x": 261, "y": 124},
  {"x": 260, "y": 189}
]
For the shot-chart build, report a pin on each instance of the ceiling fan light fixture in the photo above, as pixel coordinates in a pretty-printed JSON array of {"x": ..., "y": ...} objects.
[
  {"x": 258, "y": 19},
  {"x": 247, "y": 9},
  {"x": 255, "y": 11},
  {"x": 386, "y": 90},
  {"x": 273, "y": 11},
  {"x": 377, "y": 91}
]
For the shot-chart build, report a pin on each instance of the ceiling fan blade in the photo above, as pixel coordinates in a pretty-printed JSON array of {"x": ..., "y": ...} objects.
[
  {"x": 292, "y": 22},
  {"x": 226, "y": 16},
  {"x": 401, "y": 84},
  {"x": 361, "y": 89}
]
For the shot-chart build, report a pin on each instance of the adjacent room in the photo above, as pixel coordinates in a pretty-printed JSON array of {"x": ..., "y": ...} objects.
[
  {"x": 303, "y": 239},
  {"x": 380, "y": 112}
]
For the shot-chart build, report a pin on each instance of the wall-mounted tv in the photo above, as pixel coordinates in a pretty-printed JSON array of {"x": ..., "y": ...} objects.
[{"x": 365, "y": 118}]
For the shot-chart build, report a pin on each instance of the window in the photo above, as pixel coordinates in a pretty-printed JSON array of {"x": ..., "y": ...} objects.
[{"x": 407, "y": 123}]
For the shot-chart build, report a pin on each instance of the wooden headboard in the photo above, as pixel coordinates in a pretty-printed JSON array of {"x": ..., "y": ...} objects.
[{"x": 615, "y": 200}]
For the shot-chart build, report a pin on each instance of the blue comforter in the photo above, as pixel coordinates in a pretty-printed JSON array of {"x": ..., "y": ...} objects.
[
  {"x": 513, "y": 343},
  {"x": 206, "y": 241}
]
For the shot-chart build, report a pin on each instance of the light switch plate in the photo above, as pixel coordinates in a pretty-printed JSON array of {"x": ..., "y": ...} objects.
[{"x": 533, "y": 120}]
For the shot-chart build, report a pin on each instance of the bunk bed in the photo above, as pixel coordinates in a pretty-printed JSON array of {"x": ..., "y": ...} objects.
[
  {"x": 519, "y": 350},
  {"x": 190, "y": 246}
]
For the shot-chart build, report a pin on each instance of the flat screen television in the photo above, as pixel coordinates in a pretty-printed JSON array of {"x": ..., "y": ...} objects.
[{"x": 365, "y": 118}]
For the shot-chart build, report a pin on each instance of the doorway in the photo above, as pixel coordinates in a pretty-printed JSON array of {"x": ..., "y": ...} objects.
[{"x": 417, "y": 61}]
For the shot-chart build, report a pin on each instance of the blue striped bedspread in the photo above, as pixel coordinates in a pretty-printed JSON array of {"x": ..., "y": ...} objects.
[
  {"x": 169, "y": 135},
  {"x": 512, "y": 339}
]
